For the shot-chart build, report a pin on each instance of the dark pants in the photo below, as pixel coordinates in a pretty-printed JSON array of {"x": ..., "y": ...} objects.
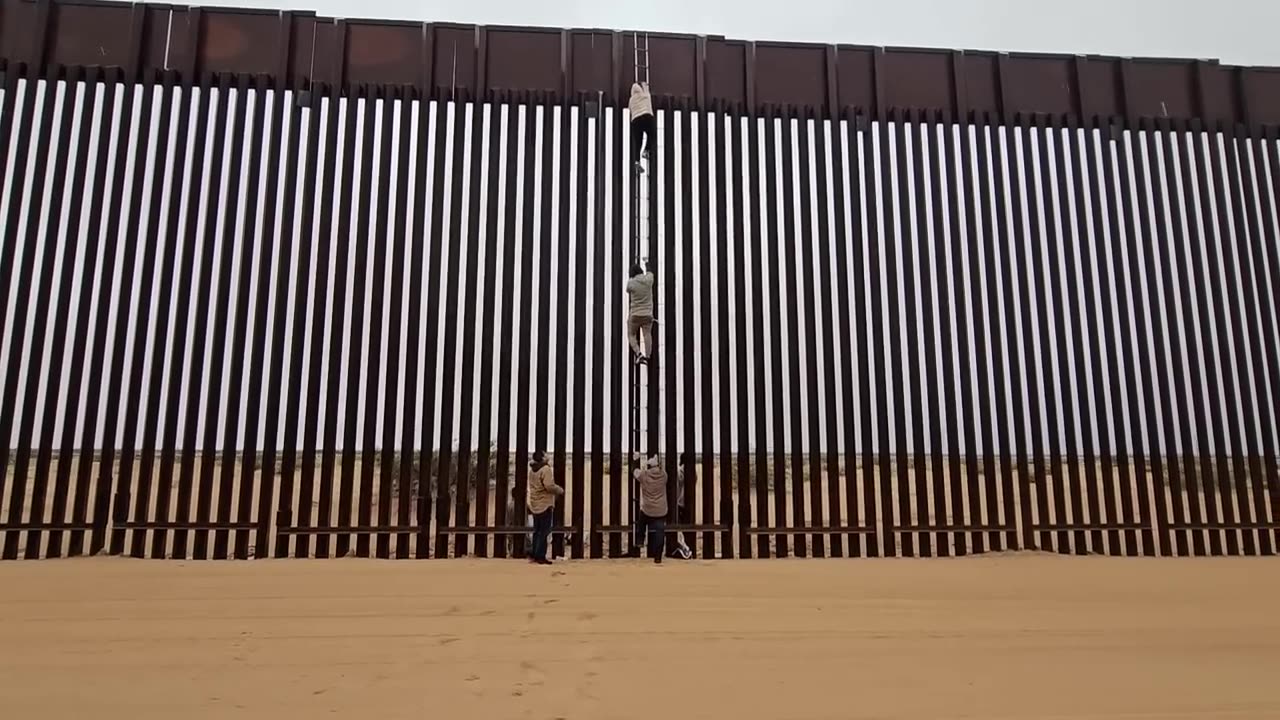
[
  {"x": 656, "y": 530},
  {"x": 541, "y": 531},
  {"x": 645, "y": 126}
]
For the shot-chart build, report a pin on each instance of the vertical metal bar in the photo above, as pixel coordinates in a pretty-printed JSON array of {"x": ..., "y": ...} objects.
[
  {"x": 580, "y": 314},
  {"x": 708, "y": 342},
  {"x": 128, "y": 444},
  {"x": 23, "y": 140},
  {"x": 227, "y": 233},
  {"x": 311, "y": 444},
  {"x": 653, "y": 384},
  {"x": 720, "y": 139},
  {"x": 971, "y": 276},
  {"x": 444, "y": 478},
  {"x": 547, "y": 167},
  {"x": 829, "y": 122},
  {"x": 758, "y": 238},
  {"x": 601, "y": 335},
  {"x": 805, "y": 284},
  {"x": 84, "y": 300},
  {"x": 271, "y": 246},
  {"x": 36, "y": 132},
  {"x": 1053, "y": 182},
  {"x": 273, "y": 449},
  {"x": 179, "y": 364},
  {"x": 1114, "y": 174},
  {"x": 736, "y": 153},
  {"x": 412, "y": 464},
  {"x": 365, "y": 103},
  {"x": 1185, "y": 364},
  {"x": 529, "y": 240},
  {"x": 1003, "y": 155},
  {"x": 109, "y": 147},
  {"x": 492, "y": 228},
  {"x": 1261, "y": 441},
  {"x": 370, "y": 447},
  {"x": 294, "y": 433},
  {"x": 248, "y": 240},
  {"x": 338, "y": 318},
  {"x": 1211, "y": 323},
  {"x": 116, "y": 383},
  {"x": 667, "y": 345},
  {"x": 617, "y": 473},
  {"x": 877, "y": 461},
  {"x": 689, "y": 298},
  {"x": 436, "y": 192},
  {"x": 1024, "y": 239},
  {"x": 779, "y": 194},
  {"x": 1262, "y": 235},
  {"x": 925, "y": 362},
  {"x": 1230, "y": 346},
  {"x": 39, "y": 305},
  {"x": 503, "y": 492},
  {"x": 560, "y": 411},
  {"x": 944, "y": 411},
  {"x": 893, "y": 163},
  {"x": 396, "y": 469},
  {"x": 846, "y": 178},
  {"x": 1133, "y": 217},
  {"x": 1115, "y": 460},
  {"x": 1164, "y": 442},
  {"x": 1095, "y": 420},
  {"x": 463, "y": 482}
]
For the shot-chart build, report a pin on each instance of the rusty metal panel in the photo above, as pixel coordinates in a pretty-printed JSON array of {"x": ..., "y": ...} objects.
[
  {"x": 1218, "y": 101},
  {"x": 1099, "y": 87},
  {"x": 18, "y": 26},
  {"x": 302, "y": 63},
  {"x": 523, "y": 59},
  {"x": 673, "y": 64},
  {"x": 982, "y": 87},
  {"x": 234, "y": 41},
  {"x": 1261, "y": 88},
  {"x": 791, "y": 73},
  {"x": 383, "y": 52},
  {"x": 915, "y": 78},
  {"x": 83, "y": 34},
  {"x": 1040, "y": 84},
  {"x": 455, "y": 58},
  {"x": 592, "y": 60},
  {"x": 1161, "y": 89},
  {"x": 726, "y": 71},
  {"x": 855, "y": 82}
]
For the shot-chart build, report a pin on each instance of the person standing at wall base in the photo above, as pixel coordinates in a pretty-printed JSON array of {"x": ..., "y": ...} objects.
[
  {"x": 652, "y": 480},
  {"x": 541, "y": 497}
]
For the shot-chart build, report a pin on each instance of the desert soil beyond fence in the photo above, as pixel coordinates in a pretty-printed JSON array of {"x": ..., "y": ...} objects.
[{"x": 1021, "y": 637}]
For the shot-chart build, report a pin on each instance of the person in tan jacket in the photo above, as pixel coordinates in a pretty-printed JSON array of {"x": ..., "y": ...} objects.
[
  {"x": 652, "y": 480},
  {"x": 644, "y": 125},
  {"x": 540, "y": 496}
]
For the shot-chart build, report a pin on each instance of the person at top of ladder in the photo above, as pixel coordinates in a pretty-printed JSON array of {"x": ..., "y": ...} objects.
[
  {"x": 640, "y": 317},
  {"x": 644, "y": 125}
]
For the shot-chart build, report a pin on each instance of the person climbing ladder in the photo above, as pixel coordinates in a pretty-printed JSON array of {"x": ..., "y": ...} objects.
[
  {"x": 644, "y": 124},
  {"x": 640, "y": 317}
]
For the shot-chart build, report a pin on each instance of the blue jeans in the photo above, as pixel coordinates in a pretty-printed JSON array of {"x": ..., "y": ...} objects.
[
  {"x": 655, "y": 529},
  {"x": 541, "y": 531}
]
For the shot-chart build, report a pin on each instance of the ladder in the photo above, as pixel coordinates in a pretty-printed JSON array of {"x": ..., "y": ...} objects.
[{"x": 643, "y": 441}]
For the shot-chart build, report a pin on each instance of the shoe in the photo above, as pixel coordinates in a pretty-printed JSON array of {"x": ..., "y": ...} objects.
[
  {"x": 544, "y": 561},
  {"x": 657, "y": 560},
  {"x": 642, "y": 360}
]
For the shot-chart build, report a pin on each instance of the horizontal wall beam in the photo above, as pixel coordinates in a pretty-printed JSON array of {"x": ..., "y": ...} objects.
[{"x": 296, "y": 49}]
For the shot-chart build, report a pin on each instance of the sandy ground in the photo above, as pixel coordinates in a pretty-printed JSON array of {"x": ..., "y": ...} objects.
[{"x": 1026, "y": 637}]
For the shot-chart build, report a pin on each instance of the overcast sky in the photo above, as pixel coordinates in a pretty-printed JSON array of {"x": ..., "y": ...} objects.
[{"x": 1235, "y": 31}]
